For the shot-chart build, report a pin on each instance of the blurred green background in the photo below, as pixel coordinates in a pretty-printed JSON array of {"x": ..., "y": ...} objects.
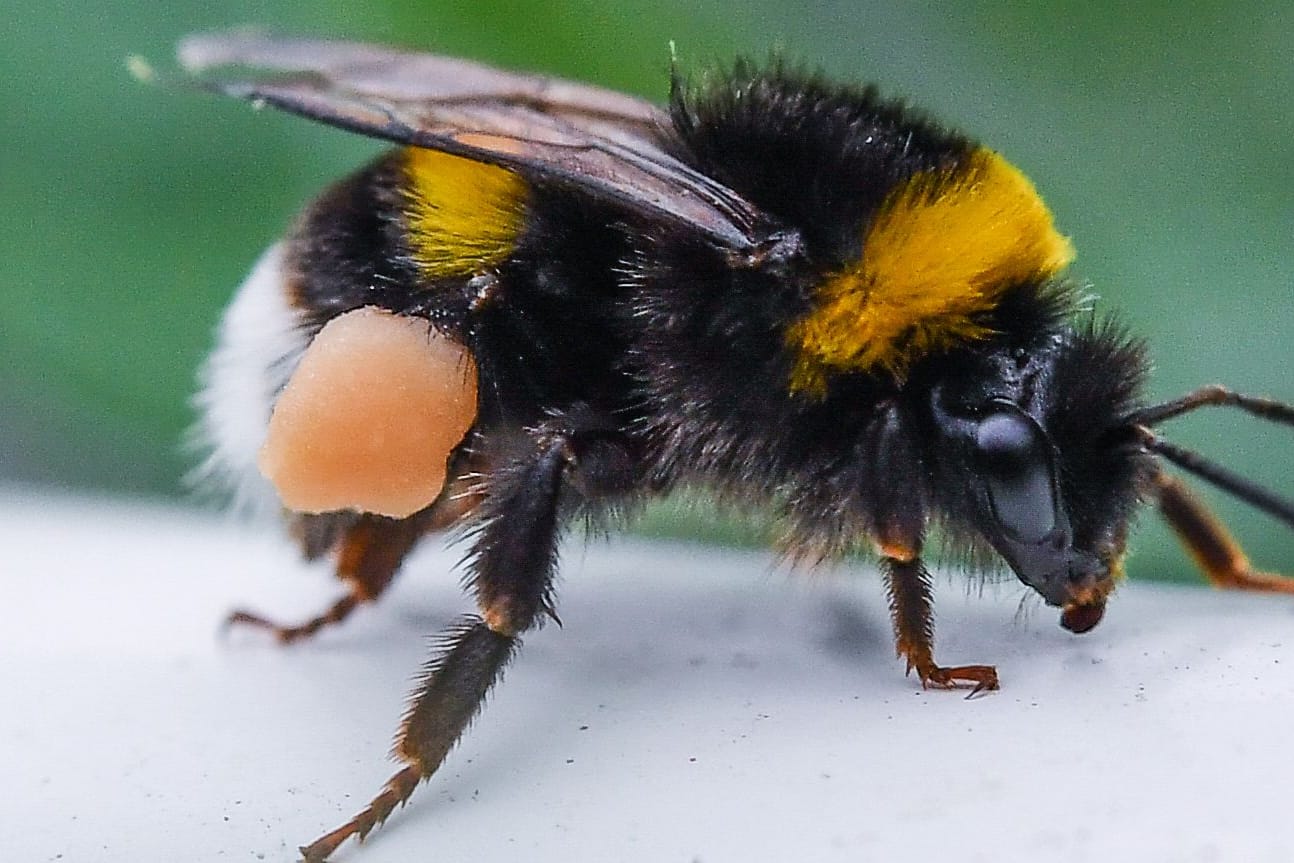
[{"x": 1161, "y": 133}]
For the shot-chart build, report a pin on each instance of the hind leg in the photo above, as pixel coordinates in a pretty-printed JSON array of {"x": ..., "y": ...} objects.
[
  {"x": 511, "y": 571},
  {"x": 370, "y": 550}
]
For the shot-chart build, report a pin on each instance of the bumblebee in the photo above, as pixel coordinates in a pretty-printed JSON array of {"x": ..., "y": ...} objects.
[{"x": 552, "y": 302}]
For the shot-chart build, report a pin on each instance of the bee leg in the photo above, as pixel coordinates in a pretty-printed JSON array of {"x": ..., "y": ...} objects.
[
  {"x": 1215, "y": 551},
  {"x": 450, "y": 691},
  {"x": 908, "y": 585},
  {"x": 370, "y": 550},
  {"x": 511, "y": 564}
]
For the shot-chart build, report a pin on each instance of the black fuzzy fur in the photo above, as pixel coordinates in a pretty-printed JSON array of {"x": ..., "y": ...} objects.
[
  {"x": 621, "y": 355},
  {"x": 815, "y": 155},
  {"x": 681, "y": 360}
]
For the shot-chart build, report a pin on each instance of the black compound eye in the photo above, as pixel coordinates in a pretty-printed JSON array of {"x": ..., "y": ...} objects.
[{"x": 1013, "y": 457}]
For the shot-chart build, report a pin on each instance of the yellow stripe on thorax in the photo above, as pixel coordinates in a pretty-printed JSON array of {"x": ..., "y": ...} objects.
[
  {"x": 463, "y": 216},
  {"x": 942, "y": 249}
]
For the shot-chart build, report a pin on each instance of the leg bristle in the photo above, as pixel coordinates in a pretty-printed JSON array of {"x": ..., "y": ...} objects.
[{"x": 394, "y": 793}]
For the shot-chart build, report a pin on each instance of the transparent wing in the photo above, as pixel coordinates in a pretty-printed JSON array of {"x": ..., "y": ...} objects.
[{"x": 604, "y": 143}]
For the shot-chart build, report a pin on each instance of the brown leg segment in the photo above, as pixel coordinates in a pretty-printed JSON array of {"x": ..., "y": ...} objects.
[
  {"x": 512, "y": 563},
  {"x": 1218, "y": 555},
  {"x": 450, "y": 691},
  {"x": 911, "y": 596},
  {"x": 369, "y": 554}
]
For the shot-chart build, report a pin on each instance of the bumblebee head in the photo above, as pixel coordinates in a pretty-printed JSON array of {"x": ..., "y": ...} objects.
[
  {"x": 1019, "y": 506},
  {"x": 1030, "y": 458},
  {"x": 1042, "y": 449}
]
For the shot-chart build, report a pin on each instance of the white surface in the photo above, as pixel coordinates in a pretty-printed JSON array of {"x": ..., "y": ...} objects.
[{"x": 697, "y": 706}]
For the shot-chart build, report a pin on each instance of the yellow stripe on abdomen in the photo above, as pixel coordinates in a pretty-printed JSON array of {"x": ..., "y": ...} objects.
[
  {"x": 463, "y": 216},
  {"x": 942, "y": 249}
]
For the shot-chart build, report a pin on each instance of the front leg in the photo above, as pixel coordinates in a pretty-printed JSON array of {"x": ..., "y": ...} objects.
[
  {"x": 908, "y": 585},
  {"x": 899, "y": 529},
  {"x": 1216, "y": 552},
  {"x": 512, "y": 562}
]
